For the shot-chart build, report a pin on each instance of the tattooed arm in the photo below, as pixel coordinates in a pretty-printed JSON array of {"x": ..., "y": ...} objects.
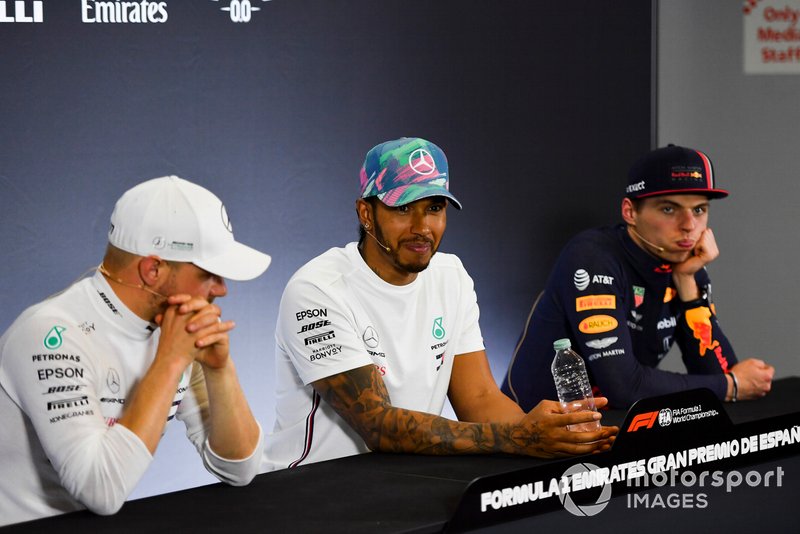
[{"x": 360, "y": 397}]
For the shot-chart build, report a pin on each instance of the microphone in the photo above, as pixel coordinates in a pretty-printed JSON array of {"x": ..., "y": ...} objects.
[
  {"x": 387, "y": 249},
  {"x": 104, "y": 271},
  {"x": 660, "y": 249}
]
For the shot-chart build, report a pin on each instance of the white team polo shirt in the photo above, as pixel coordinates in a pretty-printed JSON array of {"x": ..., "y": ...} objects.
[{"x": 336, "y": 315}]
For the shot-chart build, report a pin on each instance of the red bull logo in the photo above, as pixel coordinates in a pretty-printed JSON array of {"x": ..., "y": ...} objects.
[
  {"x": 669, "y": 294},
  {"x": 723, "y": 361},
  {"x": 698, "y": 320},
  {"x": 695, "y": 175}
]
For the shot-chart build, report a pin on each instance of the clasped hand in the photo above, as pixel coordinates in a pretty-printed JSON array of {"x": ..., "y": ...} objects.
[{"x": 192, "y": 329}]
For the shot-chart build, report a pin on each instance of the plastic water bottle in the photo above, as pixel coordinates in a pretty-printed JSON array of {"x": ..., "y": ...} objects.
[{"x": 572, "y": 384}]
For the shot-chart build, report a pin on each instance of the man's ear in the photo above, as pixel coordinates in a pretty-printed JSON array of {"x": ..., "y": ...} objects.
[
  {"x": 365, "y": 214},
  {"x": 628, "y": 212},
  {"x": 150, "y": 269}
]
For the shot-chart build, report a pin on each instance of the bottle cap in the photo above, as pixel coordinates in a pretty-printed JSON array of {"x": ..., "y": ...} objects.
[{"x": 561, "y": 344}]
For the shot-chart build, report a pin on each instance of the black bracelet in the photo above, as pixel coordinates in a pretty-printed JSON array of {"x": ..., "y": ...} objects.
[
  {"x": 703, "y": 300},
  {"x": 692, "y": 304},
  {"x": 735, "y": 387}
]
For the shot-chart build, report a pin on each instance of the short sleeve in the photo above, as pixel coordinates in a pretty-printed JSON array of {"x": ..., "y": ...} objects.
[
  {"x": 318, "y": 332},
  {"x": 471, "y": 339}
]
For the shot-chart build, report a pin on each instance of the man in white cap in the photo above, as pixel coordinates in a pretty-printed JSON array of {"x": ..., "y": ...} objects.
[{"x": 90, "y": 377}]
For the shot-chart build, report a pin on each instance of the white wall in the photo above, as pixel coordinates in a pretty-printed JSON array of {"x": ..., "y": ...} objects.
[{"x": 749, "y": 127}]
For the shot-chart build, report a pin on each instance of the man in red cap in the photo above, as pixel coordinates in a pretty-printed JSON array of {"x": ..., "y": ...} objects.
[
  {"x": 90, "y": 377},
  {"x": 625, "y": 294}
]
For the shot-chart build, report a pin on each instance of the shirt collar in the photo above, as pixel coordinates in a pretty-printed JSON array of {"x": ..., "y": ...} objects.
[
  {"x": 644, "y": 262},
  {"x": 111, "y": 306}
]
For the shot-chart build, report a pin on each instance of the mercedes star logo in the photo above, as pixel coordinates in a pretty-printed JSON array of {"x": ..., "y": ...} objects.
[
  {"x": 370, "y": 337},
  {"x": 112, "y": 380},
  {"x": 422, "y": 162}
]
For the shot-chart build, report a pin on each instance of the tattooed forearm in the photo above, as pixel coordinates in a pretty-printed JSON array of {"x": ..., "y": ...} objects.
[
  {"x": 409, "y": 431},
  {"x": 360, "y": 397}
]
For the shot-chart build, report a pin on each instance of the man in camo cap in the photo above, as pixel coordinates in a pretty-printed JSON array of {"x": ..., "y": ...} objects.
[{"x": 385, "y": 329}]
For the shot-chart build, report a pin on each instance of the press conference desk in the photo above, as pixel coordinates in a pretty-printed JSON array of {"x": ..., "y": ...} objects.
[{"x": 406, "y": 493}]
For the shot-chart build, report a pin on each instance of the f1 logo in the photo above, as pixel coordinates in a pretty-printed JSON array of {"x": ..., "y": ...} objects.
[{"x": 645, "y": 420}]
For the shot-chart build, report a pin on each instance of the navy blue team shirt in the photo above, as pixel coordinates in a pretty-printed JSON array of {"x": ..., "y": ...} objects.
[{"x": 619, "y": 307}]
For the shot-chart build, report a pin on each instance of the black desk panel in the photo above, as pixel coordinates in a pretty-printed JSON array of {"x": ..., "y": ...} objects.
[
  {"x": 407, "y": 493},
  {"x": 707, "y": 510}
]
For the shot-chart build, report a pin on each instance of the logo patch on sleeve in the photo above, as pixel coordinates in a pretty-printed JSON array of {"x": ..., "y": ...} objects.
[
  {"x": 53, "y": 339},
  {"x": 597, "y": 324},
  {"x": 669, "y": 294},
  {"x": 596, "y": 302}
]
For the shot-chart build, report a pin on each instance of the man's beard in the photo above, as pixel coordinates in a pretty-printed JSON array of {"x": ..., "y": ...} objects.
[{"x": 394, "y": 253}]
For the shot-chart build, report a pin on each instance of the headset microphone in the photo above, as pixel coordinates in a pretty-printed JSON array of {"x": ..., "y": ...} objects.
[
  {"x": 103, "y": 270},
  {"x": 387, "y": 249},
  {"x": 660, "y": 249}
]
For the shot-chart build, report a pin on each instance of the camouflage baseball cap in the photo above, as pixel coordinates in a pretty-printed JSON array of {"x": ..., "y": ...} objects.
[{"x": 405, "y": 170}]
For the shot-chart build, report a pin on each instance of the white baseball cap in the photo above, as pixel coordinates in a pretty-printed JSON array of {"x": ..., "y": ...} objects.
[{"x": 177, "y": 220}]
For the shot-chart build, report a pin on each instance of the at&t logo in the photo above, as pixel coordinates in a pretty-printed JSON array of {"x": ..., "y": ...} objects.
[
  {"x": 21, "y": 11},
  {"x": 240, "y": 10},
  {"x": 581, "y": 279}
]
